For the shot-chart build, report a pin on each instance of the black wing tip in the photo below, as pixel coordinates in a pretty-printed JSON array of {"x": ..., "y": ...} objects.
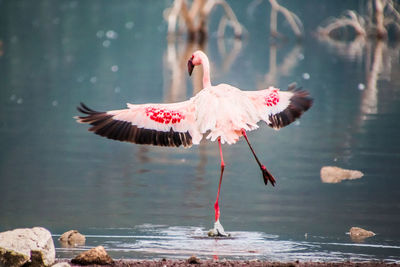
[
  {"x": 126, "y": 132},
  {"x": 300, "y": 102},
  {"x": 104, "y": 125},
  {"x": 86, "y": 110}
]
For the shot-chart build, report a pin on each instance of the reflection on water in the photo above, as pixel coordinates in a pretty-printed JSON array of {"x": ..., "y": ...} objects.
[
  {"x": 55, "y": 174},
  {"x": 378, "y": 59},
  {"x": 161, "y": 241},
  {"x": 285, "y": 68}
]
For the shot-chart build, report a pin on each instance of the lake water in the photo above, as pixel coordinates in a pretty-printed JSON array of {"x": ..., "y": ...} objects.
[{"x": 146, "y": 202}]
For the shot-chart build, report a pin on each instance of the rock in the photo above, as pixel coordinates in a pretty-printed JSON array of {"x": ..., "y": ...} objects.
[
  {"x": 72, "y": 238},
  {"x": 193, "y": 260},
  {"x": 31, "y": 246},
  {"x": 332, "y": 174},
  {"x": 357, "y": 233},
  {"x": 61, "y": 264},
  {"x": 97, "y": 255}
]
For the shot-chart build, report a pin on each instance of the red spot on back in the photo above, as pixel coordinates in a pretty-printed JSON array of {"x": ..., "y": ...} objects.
[
  {"x": 272, "y": 99},
  {"x": 164, "y": 115}
]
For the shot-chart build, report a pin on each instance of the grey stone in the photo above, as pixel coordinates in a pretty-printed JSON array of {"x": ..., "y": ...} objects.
[
  {"x": 72, "y": 238},
  {"x": 332, "y": 174},
  {"x": 61, "y": 264},
  {"x": 97, "y": 255},
  {"x": 30, "y": 246},
  {"x": 358, "y": 234},
  {"x": 193, "y": 260}
]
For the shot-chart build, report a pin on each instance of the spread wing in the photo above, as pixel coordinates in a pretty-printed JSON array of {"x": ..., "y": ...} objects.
[
  {"x": 280, "y": 108},
  {"x": 151, "y": 124}
]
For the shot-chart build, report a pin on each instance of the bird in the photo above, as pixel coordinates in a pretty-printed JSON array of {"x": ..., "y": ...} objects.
[{"x": 221, "y": 113}]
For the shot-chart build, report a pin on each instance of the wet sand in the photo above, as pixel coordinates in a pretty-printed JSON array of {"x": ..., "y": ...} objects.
[{"x": 162, "y": 263}]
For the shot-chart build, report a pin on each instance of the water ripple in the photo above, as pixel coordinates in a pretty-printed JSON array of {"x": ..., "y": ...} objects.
[{"x": 156, "y": 241}]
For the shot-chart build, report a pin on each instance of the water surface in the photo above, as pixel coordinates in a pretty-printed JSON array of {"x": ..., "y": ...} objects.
[{"x": 143, "y": 202}]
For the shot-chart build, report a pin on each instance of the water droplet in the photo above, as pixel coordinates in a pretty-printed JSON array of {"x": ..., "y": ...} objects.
[
  {"x": 114, "y": 68},
  {"x": 301, "y": 56},
  {"x": 54, "y": 103},
  {"x": 100, "y": 34},
  {"x": 20, "y": 101},
  {"x": 111, "y": 34},
  {"x": 117, "y": 90},
  {"x": 106, "y": 43},
  {"x": 361, "y": 86},
  {"x": 93, "y": 79},
  {"x": 129, "y": 25},
  {"x": 306, "y": 76},
  {"x": 335, "y": 159}
]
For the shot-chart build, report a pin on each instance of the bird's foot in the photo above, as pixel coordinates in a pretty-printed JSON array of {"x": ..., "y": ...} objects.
[
  {"x": 218, "y": 230},
  {"x": 267, "y": 176}
]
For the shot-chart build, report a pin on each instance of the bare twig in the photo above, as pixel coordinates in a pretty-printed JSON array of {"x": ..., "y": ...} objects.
[
  {"x": 294, "y": 21},
  {"x": 237, "y": 27},
  {"x": 350, "y": 18},
  {"x": 380, "y": 27},
  {"x": 195, "y": 18},
  {"x": 380, "y": 14}
]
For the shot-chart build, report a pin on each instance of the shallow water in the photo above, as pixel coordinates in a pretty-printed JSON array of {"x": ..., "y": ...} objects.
[
  {"x": 180, "y": 242},
  {"x": 143, "y": 202}
]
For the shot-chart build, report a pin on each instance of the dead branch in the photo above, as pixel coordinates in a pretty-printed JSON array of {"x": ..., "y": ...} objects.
[
  {"x": 294, "y": 21},
  {"x": 380, "y": 14},
  {"x": 237, "y": 27},
  {"x": 196, "y": 17},
  {"x": 380, "y": 27},
  {"x": 350, "y": 18}
]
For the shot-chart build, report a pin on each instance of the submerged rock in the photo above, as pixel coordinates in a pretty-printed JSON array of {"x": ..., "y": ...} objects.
[
  {"x": 30, "y": 246},
  {"x": 97, "y": 255},
  {"x": 72, "y": 238},
  {"x": 358, "y": 234},
  {"x": 332, "y": 174}
]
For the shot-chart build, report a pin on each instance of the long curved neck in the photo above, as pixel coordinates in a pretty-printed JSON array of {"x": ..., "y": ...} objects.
[{"x": 206, "y": 70}]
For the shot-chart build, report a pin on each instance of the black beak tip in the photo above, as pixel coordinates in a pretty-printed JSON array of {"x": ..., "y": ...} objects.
[{"x": 190, "y": 67}]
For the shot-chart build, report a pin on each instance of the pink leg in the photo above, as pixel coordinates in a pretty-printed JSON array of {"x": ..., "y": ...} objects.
[
  {"x": 266, "y": 174},
  {"x": 216, "y": 206}
]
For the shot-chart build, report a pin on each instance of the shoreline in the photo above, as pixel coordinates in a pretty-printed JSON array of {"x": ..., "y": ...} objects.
[{"x": 199, "y": 262}]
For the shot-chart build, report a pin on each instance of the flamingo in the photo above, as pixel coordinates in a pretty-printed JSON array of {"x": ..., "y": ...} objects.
[{"x": 223, "y": 113}]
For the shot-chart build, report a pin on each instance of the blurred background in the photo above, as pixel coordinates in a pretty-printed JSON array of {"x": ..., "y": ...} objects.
[{"x": 145, "y": 201}]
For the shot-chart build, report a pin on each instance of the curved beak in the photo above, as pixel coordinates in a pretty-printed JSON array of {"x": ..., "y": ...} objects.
[{"x": 190, "y": 67}]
